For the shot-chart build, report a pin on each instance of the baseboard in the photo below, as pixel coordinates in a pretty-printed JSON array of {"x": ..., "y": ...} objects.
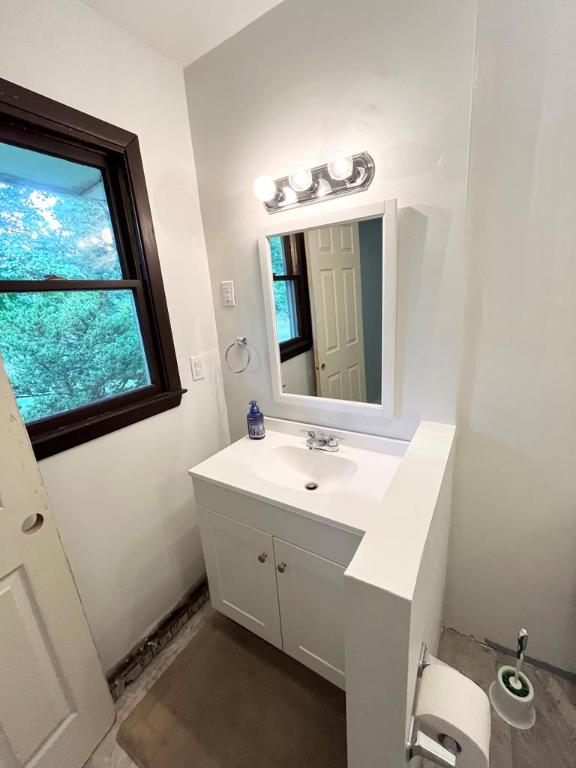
[
  {"x": 135, "y": 662},
  {"x": 535, "y": 662}
]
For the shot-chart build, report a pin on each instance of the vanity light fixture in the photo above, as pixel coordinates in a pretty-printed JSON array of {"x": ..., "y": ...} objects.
[
  {"x": 343, "y": 175},
  {"x": 323, "y": 187},
  {"x": 265, "y": 188},
  {"x": 341, "y": 167},
  {"x": 289, "y": 196},
  {"x": 300, "y": 179}
]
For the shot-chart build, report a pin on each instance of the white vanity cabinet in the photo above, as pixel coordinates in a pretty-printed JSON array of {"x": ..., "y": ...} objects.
[
  {"x": 241, "y": 574},
  {"x": 285, "y": 594},
  {"x": 310, "y": 594}
]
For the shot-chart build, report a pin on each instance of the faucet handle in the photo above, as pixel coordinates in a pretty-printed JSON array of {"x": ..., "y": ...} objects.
[{"x": 309, "y": 432}]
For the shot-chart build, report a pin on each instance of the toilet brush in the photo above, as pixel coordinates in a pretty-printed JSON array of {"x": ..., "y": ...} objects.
[
  {"x": 515, "y": 681},
  {"x": 512, "y": 693}
]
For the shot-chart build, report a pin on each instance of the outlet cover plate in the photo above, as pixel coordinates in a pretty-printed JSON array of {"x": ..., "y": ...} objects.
[
  {"x": 227, "y": 293},
  {"x": 197, "y": 367}
]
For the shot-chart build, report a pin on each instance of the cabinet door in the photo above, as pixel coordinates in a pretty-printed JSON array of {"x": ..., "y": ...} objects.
[
  {"x": 310, "y": 590},
  {"x": 240, "y": 566}
]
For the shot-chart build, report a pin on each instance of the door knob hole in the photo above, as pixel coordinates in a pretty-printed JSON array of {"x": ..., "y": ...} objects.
[{"x": 33, "y": 523}]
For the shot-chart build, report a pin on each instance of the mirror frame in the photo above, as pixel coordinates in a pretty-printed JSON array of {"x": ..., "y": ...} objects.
[{"x": 387, "y": 209}]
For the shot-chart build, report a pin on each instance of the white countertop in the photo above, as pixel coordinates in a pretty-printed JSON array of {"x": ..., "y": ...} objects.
[
  {"x": 392, "y": 497},
  {"x": 351, "y": 507}
]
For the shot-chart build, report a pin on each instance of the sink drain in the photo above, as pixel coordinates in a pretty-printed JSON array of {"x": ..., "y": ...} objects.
[{"x": 311, "y": 485}]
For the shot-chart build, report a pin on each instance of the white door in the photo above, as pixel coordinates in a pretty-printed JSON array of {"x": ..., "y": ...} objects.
[
  {"x": 333, "y": 260},
  {"x": 54, "y": 702},
  {"x": 310, "y": 590},
  {"x": 240, "y": 566}
]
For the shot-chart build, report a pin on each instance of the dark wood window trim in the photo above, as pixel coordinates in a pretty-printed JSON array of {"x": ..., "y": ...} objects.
[
  {"x": 297, "y": 273},
  {"x": 33, "y": 121}
]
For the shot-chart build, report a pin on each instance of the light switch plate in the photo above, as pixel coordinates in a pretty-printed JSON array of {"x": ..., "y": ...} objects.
[
  {"x": 197, "y": 367},
  {"x": 227, "y": 293}
]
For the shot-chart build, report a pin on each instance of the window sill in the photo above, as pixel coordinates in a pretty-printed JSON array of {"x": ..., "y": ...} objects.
[
  {"x": 60, "y": 439},
  {"x": 293, "y": 348}
]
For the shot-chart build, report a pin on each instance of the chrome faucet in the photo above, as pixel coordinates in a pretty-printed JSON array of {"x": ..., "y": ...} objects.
[{"x": 322, "y": 442}]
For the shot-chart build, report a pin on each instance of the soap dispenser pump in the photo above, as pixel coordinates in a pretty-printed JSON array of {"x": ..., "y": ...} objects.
[{"x": 255, "y": 418}]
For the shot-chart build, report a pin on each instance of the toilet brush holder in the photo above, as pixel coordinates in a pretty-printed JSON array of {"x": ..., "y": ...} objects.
[{"x": 515, "y": 705}]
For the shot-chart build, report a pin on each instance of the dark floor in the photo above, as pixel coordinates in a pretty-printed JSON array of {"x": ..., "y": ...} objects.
[
  {"x": 232, "y": 700},
  {"x": 272, "y": 711},
  {"x": 551, "y": 743}
]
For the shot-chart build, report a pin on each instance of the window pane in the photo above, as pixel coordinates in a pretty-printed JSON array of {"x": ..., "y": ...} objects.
[
  {"x": 63, "y": 350},
  {"x": 54, "y": 219},
  {"x": 277, "y": 255},
  {"x": 286, "y": 316}
]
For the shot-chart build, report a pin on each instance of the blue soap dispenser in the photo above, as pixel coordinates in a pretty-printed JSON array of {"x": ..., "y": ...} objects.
[{"x": 255, "y": 418}]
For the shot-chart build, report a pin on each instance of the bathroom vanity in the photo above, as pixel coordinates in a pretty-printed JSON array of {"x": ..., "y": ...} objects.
[
  {"x": 347, "y": 578},
  {"x": 276, "y": 551},
  {"x": 337, "y": 557}
]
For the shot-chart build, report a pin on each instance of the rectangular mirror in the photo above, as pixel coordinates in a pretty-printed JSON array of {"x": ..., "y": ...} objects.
[{"x": 330, "y": 294}]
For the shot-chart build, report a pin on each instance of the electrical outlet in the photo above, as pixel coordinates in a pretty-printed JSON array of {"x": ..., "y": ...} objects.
[
  {"x": 227, "y": 293},
  {"x": 197, "y": 366}
]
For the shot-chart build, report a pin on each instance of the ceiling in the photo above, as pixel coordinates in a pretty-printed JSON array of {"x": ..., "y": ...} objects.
[
  {"x": 24, "y": 166},
  {"x": 183, "y": 30}
]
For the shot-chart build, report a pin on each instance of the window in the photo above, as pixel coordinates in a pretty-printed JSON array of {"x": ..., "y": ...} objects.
[
  {"x": 84, "y": 327},
  {"x": 291, "y": 297}
]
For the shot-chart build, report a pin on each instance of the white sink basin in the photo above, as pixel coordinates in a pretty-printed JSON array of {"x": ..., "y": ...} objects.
[
  {"x": 294, "y": 467},
  {"x": 350, "y": 483}
]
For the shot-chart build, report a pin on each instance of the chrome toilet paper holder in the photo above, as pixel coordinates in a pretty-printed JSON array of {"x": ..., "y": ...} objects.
[
  {"x": 421, "y": 745},
  {"x": 442, "y": 753}
]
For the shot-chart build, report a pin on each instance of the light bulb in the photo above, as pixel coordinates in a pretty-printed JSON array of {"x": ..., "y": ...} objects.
[
  {"x": 300, "y": 178},
  {"x": 323, "y": 187},
  {"x": 341, "y": 167},
  {"x": 289, "y": 196},
  {"x": 265, "y": 188}
]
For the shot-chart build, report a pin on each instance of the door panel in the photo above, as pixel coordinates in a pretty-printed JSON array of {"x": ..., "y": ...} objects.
[
  {"x": 328, "y": 303},
  {"x": 333, "y": 259},
  {"x": 324, "y": 240},
  {"x": 240, "y": 565},
  {"x": 346, "y": 237},
  {"x": 310, "y": 590},
  {"x": 334, "y": 385},
  {"x": 351, "y": 314},
  {"x": 54, "y": 701},
  {"x": 354, "y": 382},
  {"x": 28, "y": 649}
]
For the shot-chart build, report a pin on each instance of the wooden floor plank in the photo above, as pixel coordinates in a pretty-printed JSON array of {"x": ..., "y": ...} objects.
[
  {"x": 551, "y": 743},
  {"x": 231, "y": 700}
]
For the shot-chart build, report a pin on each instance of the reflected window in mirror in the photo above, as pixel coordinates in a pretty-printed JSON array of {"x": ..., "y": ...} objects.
[{"x": 291, "y": 295}]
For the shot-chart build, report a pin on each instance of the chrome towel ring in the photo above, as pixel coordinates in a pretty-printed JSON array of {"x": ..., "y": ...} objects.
[{"x": 242, "y": 342}]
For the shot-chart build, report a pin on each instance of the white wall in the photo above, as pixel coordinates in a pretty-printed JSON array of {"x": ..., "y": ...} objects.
[
  {"x": 298, "y": 375},
  {"x": 514, "y": 543},
  {"x": 123, "y": 503},
  {"x": 402, "y": 91},
  {"x": 391, "y": 77}
]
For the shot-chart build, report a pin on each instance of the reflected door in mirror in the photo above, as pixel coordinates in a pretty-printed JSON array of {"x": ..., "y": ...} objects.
[{"x": 333, "y": 255}]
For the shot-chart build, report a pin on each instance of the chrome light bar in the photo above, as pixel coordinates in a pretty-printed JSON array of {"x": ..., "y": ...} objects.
[{"x": 323, "y": 186}]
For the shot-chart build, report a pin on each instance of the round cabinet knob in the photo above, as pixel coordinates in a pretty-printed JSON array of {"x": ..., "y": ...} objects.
[
  {"x": 281, "y": 567},
  {"x": 262, "y": 557}
]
